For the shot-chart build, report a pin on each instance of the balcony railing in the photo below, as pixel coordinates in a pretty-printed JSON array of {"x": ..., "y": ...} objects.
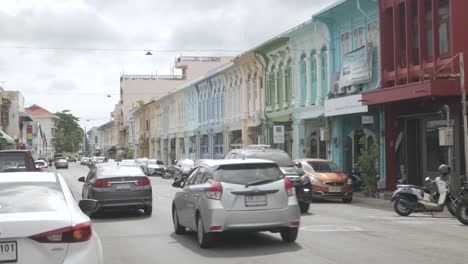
[{"x": 153, "y": 77}]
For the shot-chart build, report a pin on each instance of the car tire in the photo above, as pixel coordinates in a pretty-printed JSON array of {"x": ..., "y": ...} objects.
[
  {"x": 347, "y": 200},
  {"x": 289, "y": 235},
  {"x": 204, "y": 239},
  {"x": 304, "y": 206},
  {"x": 148, "y": 210},
  {"x": 178, "y": 229}
]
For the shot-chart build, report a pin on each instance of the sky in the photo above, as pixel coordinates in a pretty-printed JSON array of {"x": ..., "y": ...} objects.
[{"x": 70, "y": 54}]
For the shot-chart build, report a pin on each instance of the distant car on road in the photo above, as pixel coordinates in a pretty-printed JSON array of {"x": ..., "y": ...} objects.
[
  {"x": 154, "y": 167},
  {"x": 85, "y": 160},
  {"x": 116, "y": 186},
  {"x": 16, "y": 161},
  {"x": 42, "y": 223},
  {"x": 40, "y": 164},
  {"x": 225, "y": 195},
  {"x": 73, "y": 159},
  {"x": 61, "y": 164}
]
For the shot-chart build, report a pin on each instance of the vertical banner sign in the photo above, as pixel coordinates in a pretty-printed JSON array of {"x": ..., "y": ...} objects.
[
  {"x": 278, "y": 134},
  {"x": 29, "y": 135}
]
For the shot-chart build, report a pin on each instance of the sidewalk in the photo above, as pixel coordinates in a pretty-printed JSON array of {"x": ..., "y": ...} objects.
[{"x": 359, "y": 199}]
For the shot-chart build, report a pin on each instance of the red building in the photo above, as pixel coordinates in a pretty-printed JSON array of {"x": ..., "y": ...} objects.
[{"x": 420, "y": 43}]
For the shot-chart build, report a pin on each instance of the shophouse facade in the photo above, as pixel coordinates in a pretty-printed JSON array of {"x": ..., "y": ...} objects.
[
  {"x": 353, "y": 62},
  {"x": 421, "y": 43}
]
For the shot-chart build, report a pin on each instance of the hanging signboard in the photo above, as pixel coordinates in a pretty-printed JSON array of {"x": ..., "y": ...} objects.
[
  {"x": 278, "y": 134},
  {"x": 29, "y": 135},
  {"x": 356, "y": 67}
]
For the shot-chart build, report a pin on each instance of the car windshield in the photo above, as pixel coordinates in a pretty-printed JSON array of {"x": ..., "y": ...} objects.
[
  {"x": 12, "y": 161},
  {"x": 186, "y": 163},
  {"x": 29, "y": 197},
  {"x": 247, "y": 173},
  {"x": 280, "y": 158},
  {"x": 321, "y": 166}
]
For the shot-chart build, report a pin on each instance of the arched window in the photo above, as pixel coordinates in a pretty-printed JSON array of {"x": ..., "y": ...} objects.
[
  {"x": 289, "y": 86},
  {"x": 271, "y": 90},
  {"x": 313, "y": 77},
  {"x": 303, "y": 82},
  {"x": 324, "y": 75}
]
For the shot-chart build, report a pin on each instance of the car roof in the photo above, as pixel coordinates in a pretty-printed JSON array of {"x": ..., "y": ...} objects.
[
  {"x": 313, "y": 159},
  {"x": 220, "y": 162},
  {"x": 28, "y": 176}
]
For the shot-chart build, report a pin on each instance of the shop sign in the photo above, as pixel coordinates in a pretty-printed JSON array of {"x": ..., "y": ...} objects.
[
  {"x": 356, "y": 67},
  {"x": 345, "y": 105},
  {"x": 29, "y": 134},
  {"x": 367, "y": 120},
  {"x": 278, "y": 134}
]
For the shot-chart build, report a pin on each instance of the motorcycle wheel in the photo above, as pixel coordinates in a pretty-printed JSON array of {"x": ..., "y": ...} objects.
[
  {"x": 462, "y": 213},
  {"x": 452, "y": 206},
  {"x": 400, "y": 208}
]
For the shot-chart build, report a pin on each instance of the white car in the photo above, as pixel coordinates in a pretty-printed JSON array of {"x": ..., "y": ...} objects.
[
  {"x": 41, "y": 164},
  {"x": 42, "y": 222}
]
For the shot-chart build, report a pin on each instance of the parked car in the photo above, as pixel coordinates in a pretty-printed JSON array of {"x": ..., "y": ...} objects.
[
  {"x": 16, "y": 161},
  {"x": 155, "y": 167},
  {"x": 225, "y": 195},
  {"x": 327, "y": 180},
  {"x": 37, "y": 230},
  {"x": 183, "y": 168},
  {"x": 41, "y": 164},
  {"x": 116, "y": 186},
  {"x": 285, "y": 163},
  {"x": 61, "y": 163},
  {"x": 85, "y": 160},
  {"x": 72, "y": 159}
]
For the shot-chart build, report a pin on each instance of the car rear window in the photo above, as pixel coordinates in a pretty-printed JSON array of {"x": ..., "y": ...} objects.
[
  {"x": 31, "y": 197},
  {"x": 120, "y": 171},
  {"x": 247, "y": 173},
  {"x": 12, "y": 162},
  {"x": 280, "y": 158}
]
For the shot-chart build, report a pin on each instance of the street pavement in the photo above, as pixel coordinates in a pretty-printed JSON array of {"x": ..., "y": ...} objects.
[{"x": 331, "y": 232}]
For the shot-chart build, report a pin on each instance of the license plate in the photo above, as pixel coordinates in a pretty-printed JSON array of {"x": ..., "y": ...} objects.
[
  {"x": 255, "y": 200},
  {"x": 8, "y": 252},
  {"x": 334, "y": 189},
  {"x": 123, "y": 187}
]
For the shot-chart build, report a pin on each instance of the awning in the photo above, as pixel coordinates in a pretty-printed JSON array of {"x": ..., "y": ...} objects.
[
  {"x": 6, "y": 139},
  {"x": 25, "y": 116}
]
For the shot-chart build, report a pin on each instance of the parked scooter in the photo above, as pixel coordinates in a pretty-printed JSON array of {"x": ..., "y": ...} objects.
[
  {"x": 410, "y": 198},
  {"x": 462, "y": 207}
]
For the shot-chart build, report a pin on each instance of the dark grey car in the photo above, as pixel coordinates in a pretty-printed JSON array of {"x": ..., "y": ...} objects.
[{"x": 118, "y": 186}]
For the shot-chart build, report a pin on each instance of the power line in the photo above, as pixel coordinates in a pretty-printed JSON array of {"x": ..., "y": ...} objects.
[{"x": 117, "y": 49}]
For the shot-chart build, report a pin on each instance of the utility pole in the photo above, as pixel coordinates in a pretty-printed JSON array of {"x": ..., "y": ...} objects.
[{"x": 465, "y": 121}]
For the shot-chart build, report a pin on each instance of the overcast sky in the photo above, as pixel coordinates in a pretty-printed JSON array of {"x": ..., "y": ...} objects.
[{"x": 69, "y": 54}]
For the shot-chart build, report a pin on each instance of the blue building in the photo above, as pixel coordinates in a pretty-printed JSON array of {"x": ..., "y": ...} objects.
[{"x": 355, "y": 68}]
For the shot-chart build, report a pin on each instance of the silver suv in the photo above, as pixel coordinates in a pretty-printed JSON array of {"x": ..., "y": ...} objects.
[{"x": 225, "y": 195}]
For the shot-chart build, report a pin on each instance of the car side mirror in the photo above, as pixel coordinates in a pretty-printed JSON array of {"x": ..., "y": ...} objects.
[
  {"x": 177, "y": 184},
  {"x": 81, "y": 179},
  {"x": 88, "y": 206}
]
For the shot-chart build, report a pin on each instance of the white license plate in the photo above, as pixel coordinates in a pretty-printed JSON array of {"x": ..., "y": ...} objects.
[
  {"x": 8, "y": 252},
  {"x": 255, "y": 200},
  {"x": 334, "y": 189},
  {"x": 123, "y": 187}
]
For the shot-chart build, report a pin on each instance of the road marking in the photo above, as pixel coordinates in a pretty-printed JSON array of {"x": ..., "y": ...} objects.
[{"x": 331, "y": 228}]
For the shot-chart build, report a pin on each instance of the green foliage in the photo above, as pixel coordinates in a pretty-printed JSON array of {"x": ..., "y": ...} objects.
[
  {"x": 69, "y": 134},
  {"x": 368, "y": 164},
  {"x": 140, "y": 103},
  {"x": 172, "y": 154},
  {"x": 129, "y": 154}
]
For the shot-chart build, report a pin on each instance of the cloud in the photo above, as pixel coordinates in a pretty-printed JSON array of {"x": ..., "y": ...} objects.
[{"x": 62, "y": 86}]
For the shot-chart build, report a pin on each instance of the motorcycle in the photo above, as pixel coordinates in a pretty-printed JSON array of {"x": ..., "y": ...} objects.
[
  {"x": 462, "y": 207},
  {"x": 166, "y": 174},
  {"x": 411, "y": 198}
]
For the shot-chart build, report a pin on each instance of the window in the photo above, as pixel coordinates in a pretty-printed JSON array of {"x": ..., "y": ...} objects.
[
  {"x": 345, "y": 43},
  {"x": 373, "y": 34},
  {"x": 428, "y": 28},
  {"x": 444, "y": 27},
  {"x": 358, "y": 37}
]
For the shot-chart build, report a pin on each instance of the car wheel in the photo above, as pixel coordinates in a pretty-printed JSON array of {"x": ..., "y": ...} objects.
[
  {"x": 204, "y": 238},
  {"x": 304, "y": 207},
  {"x": 178, "y": 229},
  {"x": 148, "y": 210},
  {"x": 347, "y": 200},
  {"x": 289, "y": 235}
]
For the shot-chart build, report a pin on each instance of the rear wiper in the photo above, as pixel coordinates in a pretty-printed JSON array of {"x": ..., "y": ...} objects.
[{"x": 258, "y": 182}]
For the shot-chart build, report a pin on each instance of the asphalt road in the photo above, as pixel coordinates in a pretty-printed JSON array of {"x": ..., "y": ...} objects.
[{"x": 330, "y": 233}]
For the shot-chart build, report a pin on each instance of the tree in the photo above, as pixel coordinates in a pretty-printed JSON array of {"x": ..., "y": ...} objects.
[
  {"x": 69, "y": 134},
  {"x": 368, "y": 165}
]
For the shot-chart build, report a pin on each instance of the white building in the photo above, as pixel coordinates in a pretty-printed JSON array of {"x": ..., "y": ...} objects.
[{"x": 48, "y": 124}]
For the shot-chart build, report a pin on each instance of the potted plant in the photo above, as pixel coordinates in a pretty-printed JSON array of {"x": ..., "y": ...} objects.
[{"x": 368, "y": 166}]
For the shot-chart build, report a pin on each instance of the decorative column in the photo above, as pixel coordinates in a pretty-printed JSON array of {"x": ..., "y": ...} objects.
[
  {"x": 285, "y": 102},
  {"x": 318, "y": 60},
  {"x": 258, "y": 106},
  {"x": 308, "y": 80},
  {"x": 251, "y": 96},
  {"x": 275, "y": 76}
]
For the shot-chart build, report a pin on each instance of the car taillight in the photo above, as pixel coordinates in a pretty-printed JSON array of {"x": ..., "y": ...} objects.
[
  {"x": 73, "y": 234},
  {"x": 143, "y": 182},
  {"x": 101, "y": 184},
  {"x": 290, "y": 190},
  {"x": 214, "y": 191}
]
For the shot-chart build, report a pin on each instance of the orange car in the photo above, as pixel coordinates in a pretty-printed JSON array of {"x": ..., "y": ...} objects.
[{"x": 327, "y": 180}]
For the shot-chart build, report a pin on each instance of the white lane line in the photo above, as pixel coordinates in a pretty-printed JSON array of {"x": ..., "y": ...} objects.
[{"x": 331, "y": 228}]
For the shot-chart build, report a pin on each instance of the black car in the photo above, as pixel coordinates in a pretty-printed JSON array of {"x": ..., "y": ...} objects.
[
  {"x": 16, "y": 161},
  {"x": 289, "y": 168}
]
